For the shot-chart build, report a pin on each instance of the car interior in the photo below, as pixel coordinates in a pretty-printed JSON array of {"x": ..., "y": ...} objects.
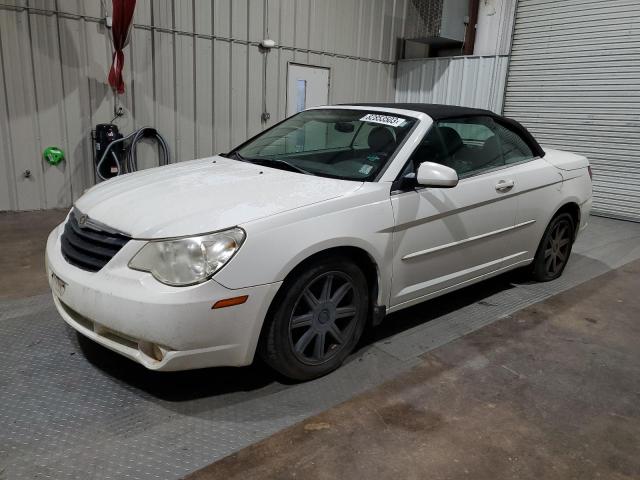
[
  {"x": 357, "y": 150},
  {"x": 445, "y": 145},
  {"x": 360, "y": 160}
]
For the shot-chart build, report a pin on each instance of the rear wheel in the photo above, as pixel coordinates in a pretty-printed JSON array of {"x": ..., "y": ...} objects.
[
  {"x": 318, "y": 320},
  {"x": 554, "y": 250}
]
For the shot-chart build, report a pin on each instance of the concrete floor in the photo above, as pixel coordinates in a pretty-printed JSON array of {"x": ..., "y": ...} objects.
[
  {"x": 551, "y": 392},
  {"x": 22, "y": 239},
  {"x": 540, "y": 397}
]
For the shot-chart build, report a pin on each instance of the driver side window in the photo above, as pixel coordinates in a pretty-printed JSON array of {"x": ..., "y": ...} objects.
[
  {"x": 431, "y": 149},
  {"x": 469, "y": 145}
]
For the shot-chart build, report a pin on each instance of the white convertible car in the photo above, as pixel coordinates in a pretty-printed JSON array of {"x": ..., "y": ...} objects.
[{"x": 290, "y": 245}]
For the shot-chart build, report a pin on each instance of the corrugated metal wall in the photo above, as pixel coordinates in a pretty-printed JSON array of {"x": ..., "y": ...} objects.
[
  {"x": 574, "y": 81},
  {"x": 193, "y": 71},
  {"x": 466, "y": 81}
]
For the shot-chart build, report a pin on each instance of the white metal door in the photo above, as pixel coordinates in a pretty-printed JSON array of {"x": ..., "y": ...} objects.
[
  {"x": 574, "y": 81},
  {"x": 447, "y": 237},
  {"x": 307, "y": 86},
  {"x": 539, "y": 193}
]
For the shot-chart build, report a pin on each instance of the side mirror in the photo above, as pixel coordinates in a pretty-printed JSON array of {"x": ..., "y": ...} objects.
[{"x": 435, "y": 175}]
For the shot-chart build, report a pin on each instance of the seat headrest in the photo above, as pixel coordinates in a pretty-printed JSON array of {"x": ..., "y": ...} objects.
[
  {"x": 491, "y": 150},
  {"x": 451, "y": 138},
  {"x": 381, "y": 139}
]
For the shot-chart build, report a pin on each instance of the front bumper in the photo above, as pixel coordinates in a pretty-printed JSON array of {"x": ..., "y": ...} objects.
[{"x": 158, "y": 326}]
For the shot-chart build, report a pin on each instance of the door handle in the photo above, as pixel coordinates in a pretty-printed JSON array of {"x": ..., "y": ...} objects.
[{"x": 505, "y": 185}]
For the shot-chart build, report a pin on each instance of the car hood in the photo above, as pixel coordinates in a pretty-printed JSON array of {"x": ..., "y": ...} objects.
[{"x": 202, "y": 196}]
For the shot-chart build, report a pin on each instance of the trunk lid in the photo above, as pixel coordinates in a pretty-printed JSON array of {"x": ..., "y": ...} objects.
[{"x": 565, "y": 160}]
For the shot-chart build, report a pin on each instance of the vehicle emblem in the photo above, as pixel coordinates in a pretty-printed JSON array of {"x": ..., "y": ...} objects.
[{"x": 82, "y": 219}]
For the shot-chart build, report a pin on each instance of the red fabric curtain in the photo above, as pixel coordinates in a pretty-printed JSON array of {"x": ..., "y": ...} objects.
[{"x": 121, "y": 25}]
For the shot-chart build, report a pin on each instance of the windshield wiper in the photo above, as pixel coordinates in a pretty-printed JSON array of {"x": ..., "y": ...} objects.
[
  {"x": 268, "y": 162},
  {"x": 235, "y": 156},
  {"x": 272, "y": 162}
]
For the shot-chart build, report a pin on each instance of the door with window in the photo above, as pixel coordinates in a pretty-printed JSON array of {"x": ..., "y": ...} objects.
[
  {"x": 540, "y": 191},
  {"x": 307, "y": 86},
  {"x": 446, "y": 237}
]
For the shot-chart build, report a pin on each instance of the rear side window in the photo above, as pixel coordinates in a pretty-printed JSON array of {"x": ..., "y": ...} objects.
[
  {"x": 514, "y": 148},
  {"x": 471, "y": 145}
]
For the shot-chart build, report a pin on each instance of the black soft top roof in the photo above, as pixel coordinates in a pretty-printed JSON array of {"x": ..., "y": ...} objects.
[
  {"x": 443, "y": 112},
  {"x": 434, "y": 110}
]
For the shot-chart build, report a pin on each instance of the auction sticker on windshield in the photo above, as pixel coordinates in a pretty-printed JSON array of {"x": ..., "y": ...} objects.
[{"x": 383, "y": 119}]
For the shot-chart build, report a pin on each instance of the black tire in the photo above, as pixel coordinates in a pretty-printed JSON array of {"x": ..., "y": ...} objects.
[
  {"x": 554, "y": 249},
  {"x": 294, "y": 315}
]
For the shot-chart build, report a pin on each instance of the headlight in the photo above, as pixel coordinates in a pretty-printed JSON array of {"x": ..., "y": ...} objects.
[{"x": 187, "y": 261}]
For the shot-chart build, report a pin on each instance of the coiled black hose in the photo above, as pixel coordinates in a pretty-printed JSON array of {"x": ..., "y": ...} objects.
[{"x": 131, "y": 158}]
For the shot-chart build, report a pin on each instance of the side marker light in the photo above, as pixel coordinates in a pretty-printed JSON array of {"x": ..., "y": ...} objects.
[{"x": 230, "y": 302}]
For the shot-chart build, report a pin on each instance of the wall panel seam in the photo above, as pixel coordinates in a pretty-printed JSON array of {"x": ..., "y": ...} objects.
[
  {"x": 34, "y": 120},
  {"x": 10, "y": 167}
]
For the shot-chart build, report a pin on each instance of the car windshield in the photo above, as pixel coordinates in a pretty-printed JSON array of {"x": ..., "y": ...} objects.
[{"x": 336, "y": 143}]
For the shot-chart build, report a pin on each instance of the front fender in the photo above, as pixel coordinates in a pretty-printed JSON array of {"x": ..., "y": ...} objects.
[{"x": 276, "y": 245}]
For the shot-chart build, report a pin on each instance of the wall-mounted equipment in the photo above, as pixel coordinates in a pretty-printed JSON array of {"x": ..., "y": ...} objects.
[
  {"x": 111, "y": 165},
  {"x": 116, "y": 155},
  {"x": 441, "y": 28}
]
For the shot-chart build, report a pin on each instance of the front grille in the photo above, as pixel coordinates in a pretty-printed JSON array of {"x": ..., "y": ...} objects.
[{"x": 88, "y": 246}]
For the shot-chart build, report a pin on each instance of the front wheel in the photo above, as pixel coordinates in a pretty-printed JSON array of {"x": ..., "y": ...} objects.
[
  {"x": 318, "y": 320},
  {"x": 554, "y": 250}
]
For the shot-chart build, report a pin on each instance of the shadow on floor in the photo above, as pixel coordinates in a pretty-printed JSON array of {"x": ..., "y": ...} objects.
[
  {"x": 424, "y": 312},
  {"x": 178, "y": 386},
  {"x": 210, "y": 382}
]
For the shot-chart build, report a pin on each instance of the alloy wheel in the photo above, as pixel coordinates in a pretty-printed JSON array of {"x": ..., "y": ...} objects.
[
  {"x": 556, "y": 251},
  {"x": 324, "y": 318}
]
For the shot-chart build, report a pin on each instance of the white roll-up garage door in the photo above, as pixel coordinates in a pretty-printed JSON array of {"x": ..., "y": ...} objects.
[{"x": 574, "y": 81}]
